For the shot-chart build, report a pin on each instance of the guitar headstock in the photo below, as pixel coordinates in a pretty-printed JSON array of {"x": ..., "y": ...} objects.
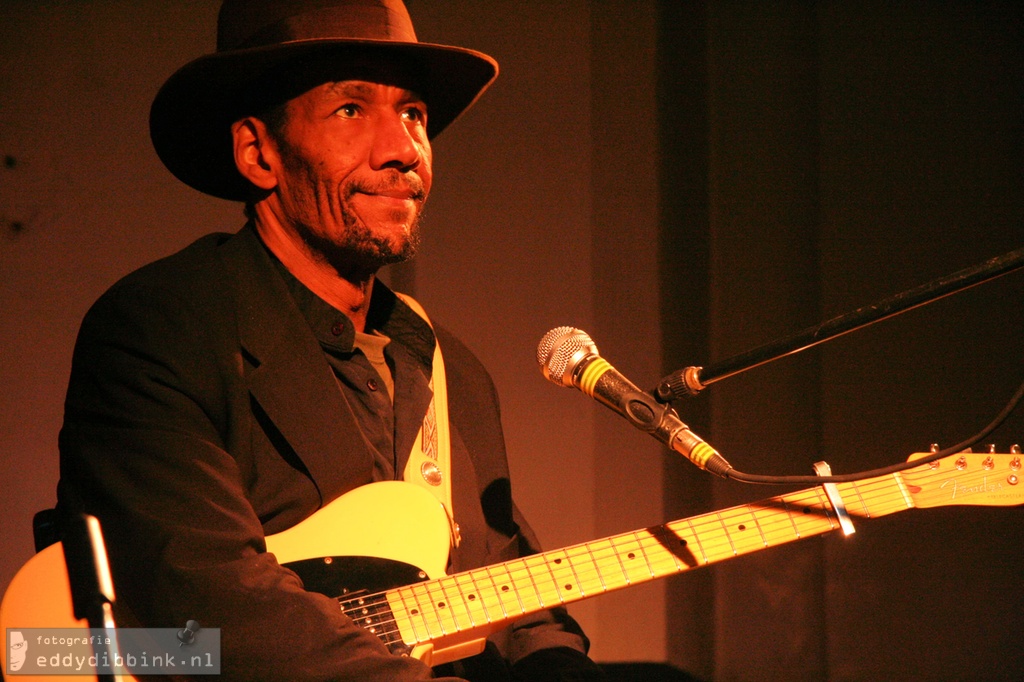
[{"x": 978, "y": 478}]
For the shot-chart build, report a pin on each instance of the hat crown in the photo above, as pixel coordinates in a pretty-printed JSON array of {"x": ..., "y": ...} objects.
[{"x": 246, "y": 24}]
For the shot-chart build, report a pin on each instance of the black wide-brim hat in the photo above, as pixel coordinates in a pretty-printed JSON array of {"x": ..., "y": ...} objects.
[{"x": 267, "y": 50}]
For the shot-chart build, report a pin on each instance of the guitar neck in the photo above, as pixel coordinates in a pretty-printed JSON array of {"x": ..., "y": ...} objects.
[{"x": 486, "y": 597}]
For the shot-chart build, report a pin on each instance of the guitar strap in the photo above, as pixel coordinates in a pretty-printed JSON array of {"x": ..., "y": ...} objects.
[{"x": 429, "y": 464}]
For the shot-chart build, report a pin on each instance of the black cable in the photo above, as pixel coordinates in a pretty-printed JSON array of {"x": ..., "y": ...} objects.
[{"x": 735, "y": 475}]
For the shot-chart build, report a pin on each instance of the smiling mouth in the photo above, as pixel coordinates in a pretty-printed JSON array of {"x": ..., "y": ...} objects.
[
  {"x": 397, "y": 194},
  {"x": 396, "y": 188}
]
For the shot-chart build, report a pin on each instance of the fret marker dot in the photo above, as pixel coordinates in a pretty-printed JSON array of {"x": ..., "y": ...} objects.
[
  {"x": 568, "y": 587},
  {"x": 504, "y": 588},
  {"x": 558, "y": 561},
  {"x": 742, "y": 527},
  {"x": 415, "y": 612},
  {"x": 472, "y": 597},
  {"x": 631, "y": 555},
  {"x": 682, "y": 542},
  {"x": 440, "y": 604}
]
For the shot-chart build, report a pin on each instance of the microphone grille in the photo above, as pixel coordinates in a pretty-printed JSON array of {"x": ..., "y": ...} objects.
[{"x": 561, "y": 351}]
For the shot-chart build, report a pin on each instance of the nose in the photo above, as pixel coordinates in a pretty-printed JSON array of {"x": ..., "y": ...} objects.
[{"x": 398, "y": 143}]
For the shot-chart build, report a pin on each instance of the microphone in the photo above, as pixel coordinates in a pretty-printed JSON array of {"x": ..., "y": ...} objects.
[{"x": 569, "y": 357}]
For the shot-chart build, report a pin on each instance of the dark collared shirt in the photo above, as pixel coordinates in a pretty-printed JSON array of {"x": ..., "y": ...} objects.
[{"x": 389, "y": 426}]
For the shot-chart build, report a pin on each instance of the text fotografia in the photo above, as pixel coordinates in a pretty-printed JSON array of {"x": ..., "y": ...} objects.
[{"x": 121, "y": 651}]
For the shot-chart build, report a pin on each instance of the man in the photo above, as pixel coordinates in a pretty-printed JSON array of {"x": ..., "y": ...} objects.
[{"x": 226, "y": 393}]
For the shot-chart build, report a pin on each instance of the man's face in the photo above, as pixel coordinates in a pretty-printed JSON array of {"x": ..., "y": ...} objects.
[{"x": 356, "y": 171}]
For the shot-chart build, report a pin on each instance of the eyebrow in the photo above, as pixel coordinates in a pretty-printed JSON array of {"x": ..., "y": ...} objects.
[
  {"x": 364, "y": 90},
  {"x": 350, "y": 89}
]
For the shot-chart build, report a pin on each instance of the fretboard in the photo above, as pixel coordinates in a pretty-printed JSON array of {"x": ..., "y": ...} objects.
[{"x": 495, "y": 594}]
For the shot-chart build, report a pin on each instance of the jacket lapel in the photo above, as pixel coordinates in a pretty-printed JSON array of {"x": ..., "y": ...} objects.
[{"x": 288, "y": 374}]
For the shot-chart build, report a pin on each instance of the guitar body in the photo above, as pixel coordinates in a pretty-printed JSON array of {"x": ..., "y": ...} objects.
[
  {"x": 39, "y": 596},
  {"x": 374, "y": 538},
  {"x": 388, "y": 520}
]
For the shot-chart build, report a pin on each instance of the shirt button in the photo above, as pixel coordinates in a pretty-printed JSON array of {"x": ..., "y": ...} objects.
[
  {"x": 371, "y": 384},
  {"x": 337, "y": 329}
]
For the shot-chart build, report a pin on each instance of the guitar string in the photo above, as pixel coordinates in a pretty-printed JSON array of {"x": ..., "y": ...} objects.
[
  {"x": 883, "y": 495},
  {"x": 717, "y": 522},
  {"x": 644, "y": 543}
]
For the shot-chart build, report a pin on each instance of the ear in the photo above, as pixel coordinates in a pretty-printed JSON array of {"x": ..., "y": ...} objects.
[{"x": 255, "y": 155}]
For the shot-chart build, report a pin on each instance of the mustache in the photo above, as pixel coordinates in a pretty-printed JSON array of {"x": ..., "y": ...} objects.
[{"x": 392, "y": 181}]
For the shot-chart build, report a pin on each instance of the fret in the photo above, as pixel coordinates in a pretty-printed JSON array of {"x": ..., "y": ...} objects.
[
  {"x": 409, "y": 613},
  {"x": 714, "y": 540},
  {"x": 628, "y": 549},
  {"x": 602, "y": 555},
  {"x": 777, "y": 519},
  {"x": 494, "y": 594},
  {"x": 564, "y": 576},
  {"x": 674, "y": 553},
  {"x": 743, "y": 529},
  {"x": 543, "y": 579},
  {"x": 792, "y": 519},
  {"x": 584, "y": 566},
  {"x": 431, "y": 617},
  {"x": 442, "y": 602},
  {"x": 725, "y": 530},
  {"x": 607, "y": 556},
  {"x": 696, "y": 538},
  {"x": 641, "y": 537},
  {"x": 907, "y": 502},
  {"x": 812, "y": 512},
  {"x": 474, "y": 599},
  {"x": 517, "y": 599},
  {"x": 830, "y": 513},
  {"x": 877, "y": 496},
  {"x": 479, "y": 596},
  {"x": 456, "y": 603},
  {"x": 856, "y": 505},
  {"x": 591, "y": 547}
]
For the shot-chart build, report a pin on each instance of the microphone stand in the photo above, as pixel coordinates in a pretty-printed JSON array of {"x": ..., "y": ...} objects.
[{"x": 691, "y": 380}]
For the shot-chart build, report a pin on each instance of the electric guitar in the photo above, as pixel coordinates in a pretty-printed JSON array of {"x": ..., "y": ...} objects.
[{"x": 390, "y": 578}]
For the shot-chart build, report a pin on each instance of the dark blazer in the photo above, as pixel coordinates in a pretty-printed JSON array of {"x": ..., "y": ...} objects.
[{"x": 201, "y": 415}]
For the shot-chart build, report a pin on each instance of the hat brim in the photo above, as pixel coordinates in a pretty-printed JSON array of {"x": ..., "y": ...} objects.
[{"x": 190, "y": 120}]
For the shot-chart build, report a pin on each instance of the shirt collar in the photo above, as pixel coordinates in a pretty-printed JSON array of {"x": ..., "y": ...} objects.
[{"x": 387, "y": 314}]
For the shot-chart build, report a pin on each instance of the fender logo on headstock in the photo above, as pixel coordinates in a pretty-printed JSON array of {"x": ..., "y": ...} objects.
[{"x": 984, "y": 487}]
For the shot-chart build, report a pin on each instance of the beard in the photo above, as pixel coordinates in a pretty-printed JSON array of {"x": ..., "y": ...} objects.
[{"x": 335, "y": 234}]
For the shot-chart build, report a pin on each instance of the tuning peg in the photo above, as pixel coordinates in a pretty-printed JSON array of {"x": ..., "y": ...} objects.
[{"x": 1015, "y": 449}]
